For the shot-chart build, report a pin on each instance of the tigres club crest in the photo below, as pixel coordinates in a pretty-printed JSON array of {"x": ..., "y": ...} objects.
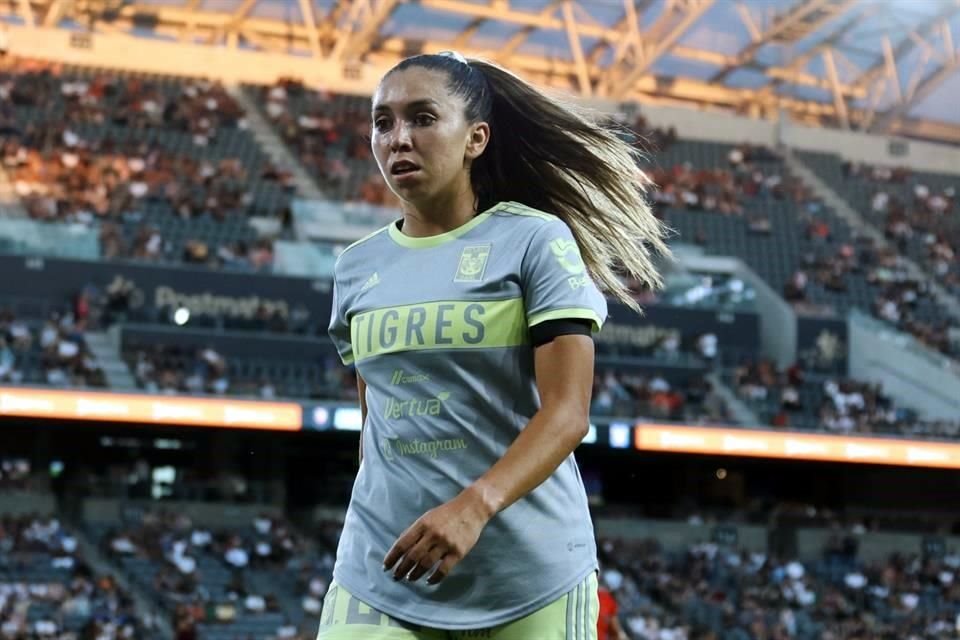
[{"x": 473, "y": 263}]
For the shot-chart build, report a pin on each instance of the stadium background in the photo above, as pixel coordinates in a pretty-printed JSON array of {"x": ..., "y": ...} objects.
[{"x": 773, "y": 451}]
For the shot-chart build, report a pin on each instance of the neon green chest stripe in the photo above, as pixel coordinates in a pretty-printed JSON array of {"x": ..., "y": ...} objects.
[{"x": 453, "y": 324}]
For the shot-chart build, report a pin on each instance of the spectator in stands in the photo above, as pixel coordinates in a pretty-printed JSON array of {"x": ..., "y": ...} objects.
[
  {"x": 796, "y": 288},
  {"x": 608, "y": 624},
  {"x": 759, "y": 225},
  {"x": 16, "y": 332},
  {"x": 66, "y": 358},
  {"x": 8, "y": 362},
  {"x": 652, "y": 139},
  {"x": 707, "y": 345},
  {"x": 185, "y": 625}
]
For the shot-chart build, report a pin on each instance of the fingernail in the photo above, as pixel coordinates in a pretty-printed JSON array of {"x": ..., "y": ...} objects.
[{"x": 386, "y": 568}]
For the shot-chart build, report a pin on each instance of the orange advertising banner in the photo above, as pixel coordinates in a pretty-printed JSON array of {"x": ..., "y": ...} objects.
[
  {"x": 795, "y": 446},
  {"x": 150, "y": 409}
]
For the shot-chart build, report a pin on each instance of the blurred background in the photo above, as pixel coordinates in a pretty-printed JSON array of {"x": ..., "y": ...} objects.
[{"x": 773, "y": 451}]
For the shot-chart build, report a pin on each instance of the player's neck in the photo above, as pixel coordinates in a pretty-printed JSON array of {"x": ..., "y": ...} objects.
[{"x": 438, "y": 215}]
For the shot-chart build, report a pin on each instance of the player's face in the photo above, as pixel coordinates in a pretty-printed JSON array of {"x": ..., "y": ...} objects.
[{"x": 421, "y": 138}]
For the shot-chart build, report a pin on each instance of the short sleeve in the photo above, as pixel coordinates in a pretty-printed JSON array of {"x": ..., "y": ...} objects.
[
  {"x": 339, "y": 329},
  {"x": 556, "y": 284}
]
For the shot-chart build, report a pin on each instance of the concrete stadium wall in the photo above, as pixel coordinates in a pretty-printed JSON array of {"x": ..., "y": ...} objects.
[
  {"x": 874, "y": 149},
  {"x": 915, "y": 376},
  {"x": 674, "y": 534},
  {"x": 778, "y": 320},
  {"x": 811, "y": 542},
  {"x": 712, "y": 126},
  {"x": 211, "y": 514},
  {"x": 121, "y": 51},
  {"x": 873, "y": 546},
  {"x": 18, "y": 503}
]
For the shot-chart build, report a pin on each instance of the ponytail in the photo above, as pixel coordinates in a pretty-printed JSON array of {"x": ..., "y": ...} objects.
[{"x": 555, "y": 157}]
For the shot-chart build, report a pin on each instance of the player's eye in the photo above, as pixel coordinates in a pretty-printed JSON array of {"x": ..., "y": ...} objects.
[
  {"x": 424, "y": 120},
  {"x": 381, "y": 124}
]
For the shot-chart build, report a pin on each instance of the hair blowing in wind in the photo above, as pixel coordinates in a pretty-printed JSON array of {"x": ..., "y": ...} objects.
[{"x": 555, "y": 157}]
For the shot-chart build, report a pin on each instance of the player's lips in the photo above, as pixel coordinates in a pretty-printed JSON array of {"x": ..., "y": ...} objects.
[{"x": 403, "y": 167}]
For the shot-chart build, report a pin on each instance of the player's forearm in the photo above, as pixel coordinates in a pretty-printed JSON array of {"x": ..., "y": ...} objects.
[
  {"x": 362, "y": 393},
  {"x": 549, "y": 438}
]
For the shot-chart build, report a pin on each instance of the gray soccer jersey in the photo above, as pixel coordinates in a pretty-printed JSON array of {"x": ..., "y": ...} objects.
[{"x": 438, "y": 328}]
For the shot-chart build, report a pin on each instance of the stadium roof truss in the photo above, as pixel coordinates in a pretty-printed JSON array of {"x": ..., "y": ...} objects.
[{"x": 879, "y": 65}]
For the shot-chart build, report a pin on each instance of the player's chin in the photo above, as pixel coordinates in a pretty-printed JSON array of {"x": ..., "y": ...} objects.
[{"x": 411, "y": 189}]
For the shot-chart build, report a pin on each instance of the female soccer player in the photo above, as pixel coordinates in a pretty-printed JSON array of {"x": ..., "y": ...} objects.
[{"x": 469, "y": 322}]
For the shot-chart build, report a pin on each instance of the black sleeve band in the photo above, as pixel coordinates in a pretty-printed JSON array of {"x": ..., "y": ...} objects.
[{"x": 546, "y": 331}]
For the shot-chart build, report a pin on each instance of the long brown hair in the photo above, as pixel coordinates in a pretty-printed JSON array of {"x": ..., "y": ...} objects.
[{"x": 559, "y": 158}]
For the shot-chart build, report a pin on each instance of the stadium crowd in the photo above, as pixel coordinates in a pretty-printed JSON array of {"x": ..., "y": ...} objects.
[
  {"x": 908, "y": 208},
  {"x": 53, "y": 352},
  {"x": 651, "y": 395},
  {"x": 713, "y": 592},
  {"x": 233, "y": 579},
  {"x": 722, "y": 189},
  {"x": 226, "y": 577},
  {"x": 169, "y": 368},
  {"x": 834, "y": 404},
  {"x": 330, "y": 135},
  {"x": 48, "y": 591},
  {"x": 706, "y": 591},
  {"x": 753, "y": 172},
  {"x": 95, "y": 158}
]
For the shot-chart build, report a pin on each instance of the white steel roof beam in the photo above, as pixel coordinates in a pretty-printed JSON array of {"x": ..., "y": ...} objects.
[
  {"x": 310, "y": 21},
  {"x": 676, "y": 18},
  {"x": 573, "y": 37},
  {"x": 781, "y": 25},
  {"x": 891, "y": 121},
  {"x": 366, "y": 18}
]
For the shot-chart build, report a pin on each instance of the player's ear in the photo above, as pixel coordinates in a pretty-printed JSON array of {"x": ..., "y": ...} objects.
[{"x": 478, "y": 136}]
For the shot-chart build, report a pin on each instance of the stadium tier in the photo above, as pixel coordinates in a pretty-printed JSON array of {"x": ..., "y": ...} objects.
[
  {"x": 798, "y": 245},
  {"x": 163, "y": 166},
  {"x": 330, "y": 134},
  {"x": 189, "y": 198},
  {"x": 47, "y": 589},
  {"x": 165, "y": 362},
  {"x": 685, "y": 579},
  {"x": 225, "y": 583},
  {"x": 914, "y": 209},
  {"x": 47, "y": 349}
]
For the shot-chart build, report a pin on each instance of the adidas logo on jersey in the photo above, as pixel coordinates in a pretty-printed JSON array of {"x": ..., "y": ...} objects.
[{"x": 371, "y": 282}]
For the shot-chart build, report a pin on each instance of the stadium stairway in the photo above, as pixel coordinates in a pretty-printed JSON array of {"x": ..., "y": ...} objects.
[
  {"x": 273, "y": 146},
  {"x": 10, "y": 205},
  {"x": 146, "y": 607},
  {"x": 843, "y": 209},
  {"x": 262, "y": 581},
  {"x": 739, "y": 410},
  {"x": 105, "y": 347}
]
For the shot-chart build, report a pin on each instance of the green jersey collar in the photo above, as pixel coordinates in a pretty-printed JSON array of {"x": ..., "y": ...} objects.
[{"x": 434, "y": 241}]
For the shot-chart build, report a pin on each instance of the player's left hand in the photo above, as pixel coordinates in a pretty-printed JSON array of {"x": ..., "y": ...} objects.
[{"x": 445, "y": 534}]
